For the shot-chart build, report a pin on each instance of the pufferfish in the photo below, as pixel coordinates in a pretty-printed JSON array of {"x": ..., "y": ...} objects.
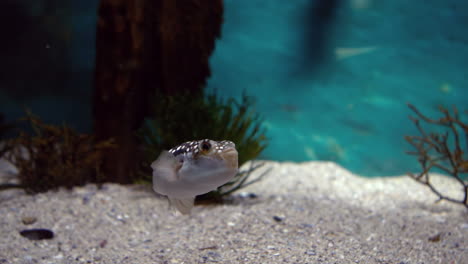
[{"x": 194, "y": 168}]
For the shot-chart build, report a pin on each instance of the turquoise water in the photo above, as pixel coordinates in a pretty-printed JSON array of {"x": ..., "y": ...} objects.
[
  {"x": 336, "y": 88},
  {"x": 331, "y": 78}
]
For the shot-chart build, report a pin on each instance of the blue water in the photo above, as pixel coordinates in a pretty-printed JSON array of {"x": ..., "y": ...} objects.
[
  {"x": 318, "y": 100},
  {"x": 351, "y": 110}
]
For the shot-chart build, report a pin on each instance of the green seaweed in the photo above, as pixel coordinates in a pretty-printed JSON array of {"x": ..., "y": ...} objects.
[
  {"x": 185, "y": 117},
  {"x": 55, "y": 156}
]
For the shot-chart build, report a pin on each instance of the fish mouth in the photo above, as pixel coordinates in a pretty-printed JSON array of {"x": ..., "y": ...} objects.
[
  {"x": 230, "y": 156},
  {"x": 229, "y": 150}
]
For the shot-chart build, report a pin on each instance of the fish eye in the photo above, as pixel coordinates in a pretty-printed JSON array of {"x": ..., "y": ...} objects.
[{"x": 205, "y": 146}]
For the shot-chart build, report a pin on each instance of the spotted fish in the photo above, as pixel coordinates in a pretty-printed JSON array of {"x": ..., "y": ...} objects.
[{"x": 194, "y": 168}]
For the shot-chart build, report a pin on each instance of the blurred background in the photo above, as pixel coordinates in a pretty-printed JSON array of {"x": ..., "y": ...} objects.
[{"x": 331, "y": 78}]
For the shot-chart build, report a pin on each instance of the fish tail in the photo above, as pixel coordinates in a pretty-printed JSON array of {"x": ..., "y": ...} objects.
[{"x": 184, "y": 205}]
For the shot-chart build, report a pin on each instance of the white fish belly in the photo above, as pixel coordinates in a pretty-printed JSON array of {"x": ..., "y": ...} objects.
[{"x": 193, "y": 183}]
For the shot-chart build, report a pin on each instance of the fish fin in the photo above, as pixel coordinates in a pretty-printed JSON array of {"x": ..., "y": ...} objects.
[
  {"x": 184, "y": 205},
  {"x": 166, "y": 166},
  {"x": 165, "y": 170},
  {"x": 166, "y": 160}
]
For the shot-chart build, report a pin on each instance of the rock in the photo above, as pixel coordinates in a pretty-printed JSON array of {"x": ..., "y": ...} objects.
[
  {"x": 37, "y": 234},
  {"x": 248, "y": 195},
  {"x": 435, "y": 238},
  {"x": 278, "y": 218},
  {"x": 29, "y": 220}
]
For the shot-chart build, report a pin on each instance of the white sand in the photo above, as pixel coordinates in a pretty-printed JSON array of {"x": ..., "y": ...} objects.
[{"x": 327, "y": 215}]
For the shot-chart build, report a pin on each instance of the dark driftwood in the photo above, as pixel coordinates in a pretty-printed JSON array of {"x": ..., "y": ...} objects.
[
  {"x": 146, "y": 47},
  {"x": 119, "y": 96},
  {"x": 433, "y": 150}
]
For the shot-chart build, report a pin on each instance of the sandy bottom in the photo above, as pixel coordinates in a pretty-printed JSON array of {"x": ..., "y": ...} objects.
[{"x": 313, "y": 212}]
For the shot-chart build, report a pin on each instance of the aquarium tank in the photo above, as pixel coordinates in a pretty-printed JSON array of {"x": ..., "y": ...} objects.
[
  {"x": 234, "y": 131},
  {"x": 331, "y": 79}
]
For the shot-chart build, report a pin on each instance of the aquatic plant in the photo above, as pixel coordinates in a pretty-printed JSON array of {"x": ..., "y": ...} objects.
[
  {"x": 54, "y": 156},
  {"x": 240, "y": 181},
  {"x": 185, "y": 117},
  {"x": 438, "y": 151}
]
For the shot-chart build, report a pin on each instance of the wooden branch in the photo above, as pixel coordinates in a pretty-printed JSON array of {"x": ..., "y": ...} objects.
[{"x": 450, "y": 161}]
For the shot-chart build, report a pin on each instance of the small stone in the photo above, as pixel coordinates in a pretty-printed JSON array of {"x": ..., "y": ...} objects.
[
  {"x": 209, "y": 247},
  {"x": 214, "y": 255},
  {"x": 37, "y": 234},
  {"x": 86, "y": 199},
  {"x": 248, "y": 195},
  {"x": 435, "y": 238},
  {"x": 29, "y": 220},
  {"x": 310, "y": 252},
  {"x": 103, "y": 243},
  {"x": 278, "y": 218}
]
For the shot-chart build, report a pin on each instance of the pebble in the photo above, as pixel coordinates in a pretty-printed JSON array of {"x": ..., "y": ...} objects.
[
  {"x": 435, "y": 238},
  {"x": 248, "y": 195},
  {"x": 29, "y": 220},
  {"x": 37, "y": 234},
  {"x": 278, "y": 218},
  {"x": 103, "y": 243},
  {"x": 214, "y": 255},
  {"x": 86, "y": 199},
  {"x": 306, "y": 225}
]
